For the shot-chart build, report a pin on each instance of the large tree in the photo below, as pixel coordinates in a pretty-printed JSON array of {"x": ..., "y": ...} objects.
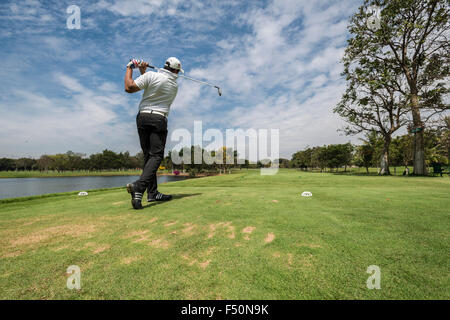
[
  {"x": 373, "y": 102},
  {"x": 412, "y": 39}
]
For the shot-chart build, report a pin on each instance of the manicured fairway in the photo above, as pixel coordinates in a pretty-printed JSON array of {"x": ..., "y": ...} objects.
[{"x": 238, "y": 236}]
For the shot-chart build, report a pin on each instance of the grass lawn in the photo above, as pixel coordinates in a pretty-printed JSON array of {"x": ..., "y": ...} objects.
[{"x": 240, "y": 236}]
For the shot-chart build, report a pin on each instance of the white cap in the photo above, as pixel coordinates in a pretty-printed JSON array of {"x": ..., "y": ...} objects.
[{"x": 174, "y": 63}]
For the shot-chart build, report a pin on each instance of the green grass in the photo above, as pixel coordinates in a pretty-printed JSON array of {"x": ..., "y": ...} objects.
[{"x": 195, "y": 247}]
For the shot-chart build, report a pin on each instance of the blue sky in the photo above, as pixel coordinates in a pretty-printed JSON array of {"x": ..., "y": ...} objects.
[{"x": 276, "y": 61}]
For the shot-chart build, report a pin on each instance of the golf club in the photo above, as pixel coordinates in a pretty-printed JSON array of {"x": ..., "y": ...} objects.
[{"x": 195, "y": 80}]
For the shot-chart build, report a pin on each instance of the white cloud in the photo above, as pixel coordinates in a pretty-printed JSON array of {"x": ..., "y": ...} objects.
[{"x": 86, "y": 121}]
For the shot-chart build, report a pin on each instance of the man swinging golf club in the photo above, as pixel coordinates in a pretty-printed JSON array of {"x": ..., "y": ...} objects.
[{"x": 160, "y": 89}]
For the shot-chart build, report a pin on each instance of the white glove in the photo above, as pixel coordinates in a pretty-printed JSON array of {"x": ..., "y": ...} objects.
[{"x": 134, "y": 63}]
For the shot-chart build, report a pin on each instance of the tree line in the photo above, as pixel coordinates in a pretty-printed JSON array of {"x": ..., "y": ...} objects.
[
  {"x": 110, "y": 160},
  {"x": 71, "y": 161},
  {"x": 333, "y": 157},
  {"x": 368, "y": 154}
]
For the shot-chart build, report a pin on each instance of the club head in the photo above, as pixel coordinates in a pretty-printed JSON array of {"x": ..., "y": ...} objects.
[{"x": 219, "y": 91}]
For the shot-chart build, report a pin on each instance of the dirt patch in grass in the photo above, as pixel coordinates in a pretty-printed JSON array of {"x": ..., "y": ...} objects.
[
  {"x": 60, "y": 248},
  {"x": 192, "y": 261},
  {"x": 248, "y": 231},
  {"x": 189, "y": 259},
  {"x": 205, "y": 264},
  {"x": 28, "y": 223},
  {"x": 227, "y": 225},
  {"x": 12, "y": 254},
  {"x": 141, "y": 238},
  {"x": 307, "y": 261},
  {"x": 231, "y": 230},
  {"x": 290, "y": 259},
  {"x": 119, "y": 203},
  {"x": 159, "y": 243},
  {"x": 101, "y": 248},
  {"x": 269, "y": 238},
  {"x": 152, "y": 220},
  {"x": 170, "y": 223},
  {"x": 189, "y": 229},
  {"x": 144, "y": 236},
  {"x": 24, "y": 222},
  {"x": 212, "y": 230},
  {"x": 96, "y": 248},
  {"x": 129, "y": 260},
  {"x": 275, "y": 201},
  {"x": 136, "y": 233},
  {"x": 73, "y": 230}
]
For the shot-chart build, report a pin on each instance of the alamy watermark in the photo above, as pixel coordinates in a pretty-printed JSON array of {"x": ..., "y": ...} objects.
[
  {"x": 374, "y": 281},
  {"x": 74, "y": 280},
  {"x": 251, "y": 145},
  {"x": 74, "y": 19},
  {"x": 374, "y": 20}
]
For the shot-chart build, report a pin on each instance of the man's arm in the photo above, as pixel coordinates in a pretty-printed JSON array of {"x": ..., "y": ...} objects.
[{"x": 130, "y": 85}]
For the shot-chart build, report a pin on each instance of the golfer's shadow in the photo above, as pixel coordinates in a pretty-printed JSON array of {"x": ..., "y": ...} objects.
[{"x": 175, "y": 197}]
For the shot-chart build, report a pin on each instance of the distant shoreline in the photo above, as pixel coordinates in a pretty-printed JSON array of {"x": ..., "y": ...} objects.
[{"x": 55, "y": 174}]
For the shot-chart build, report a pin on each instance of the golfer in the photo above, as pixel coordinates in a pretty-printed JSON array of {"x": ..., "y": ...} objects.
[{"x": 160, "y": 89}]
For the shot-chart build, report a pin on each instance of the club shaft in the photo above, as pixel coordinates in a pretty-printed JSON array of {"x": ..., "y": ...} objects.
[
  {"x": 199, "y": 81},
  {"x": 192, "y": 79}
]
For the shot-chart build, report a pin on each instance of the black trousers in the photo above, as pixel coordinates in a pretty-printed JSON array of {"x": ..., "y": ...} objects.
[{"x": 152, "y": 130}]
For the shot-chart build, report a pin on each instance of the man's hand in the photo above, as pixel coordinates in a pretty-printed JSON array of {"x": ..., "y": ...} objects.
[
  {"x": 135, "y": 63},
  {"x": 143, "y": 66}
]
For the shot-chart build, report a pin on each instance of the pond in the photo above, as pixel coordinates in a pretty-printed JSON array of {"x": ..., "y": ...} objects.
[{"x": 22, "y": 187}]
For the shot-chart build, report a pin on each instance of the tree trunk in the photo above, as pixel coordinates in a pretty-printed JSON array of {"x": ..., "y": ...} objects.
[
  {"x": 384, "y": 167},
  {"x": 419, "y": 155},
  {"x": 419, "y": 148}
]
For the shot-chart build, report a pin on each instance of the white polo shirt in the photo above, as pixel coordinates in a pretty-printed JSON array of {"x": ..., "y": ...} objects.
[{"x": 160, "y": 89}]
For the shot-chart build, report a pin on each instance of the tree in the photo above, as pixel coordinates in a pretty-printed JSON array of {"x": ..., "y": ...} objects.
[
  {"x": 412, "y": 39},
  {"x": 437, "y": 144},
  {"x": 402, "y": 150},
  {"x": 372, "y": 101},
  {"x": 364, "y": 156},
  {"x": 7, "y": 164},
  {"x": 346, "y": 154},
  {"x": 140, "y": 158},
  {"x": 319, "y": 158},
  {"x": 25, "y": 164},
  {"x": 282, "y": 163},
  {"x": 303, "y": 159},
  {"x": 44, "y": 162},
  {"x": 74, "y": 160},
  {"x": 338, "y": 155}
]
